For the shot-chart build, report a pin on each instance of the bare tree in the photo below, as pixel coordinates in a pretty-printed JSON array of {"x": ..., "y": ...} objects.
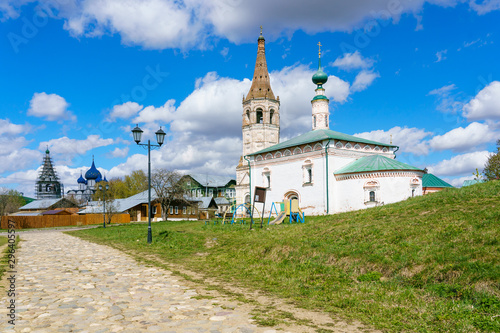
[
  {"x": 107, "y": 196},
  {"x": 169, "y": 189},
  {"x": 10, "y": 201},
  {"x": 111, "y": 210}
]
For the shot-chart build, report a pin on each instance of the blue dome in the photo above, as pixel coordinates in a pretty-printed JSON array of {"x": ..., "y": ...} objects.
[
  {"x": 98, "y": 179},
  {"x": 81, "y": 180},
  {"x": 93, "y": 173}
]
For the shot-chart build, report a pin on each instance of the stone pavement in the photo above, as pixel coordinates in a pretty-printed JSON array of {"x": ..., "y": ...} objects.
[{"x": 65, "y": 284}]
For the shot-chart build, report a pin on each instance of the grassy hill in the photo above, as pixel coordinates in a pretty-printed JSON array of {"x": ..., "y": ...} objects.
[{"x": 428, "y": 264}]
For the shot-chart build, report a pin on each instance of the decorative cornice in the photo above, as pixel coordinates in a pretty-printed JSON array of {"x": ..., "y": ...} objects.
[{"x": 378, "y": 174}]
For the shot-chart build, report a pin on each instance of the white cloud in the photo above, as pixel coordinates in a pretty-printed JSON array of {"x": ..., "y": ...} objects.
[
  {"x": 458, "y": 182},
  {"x": 461, "y": 164},
  {"x": 22, "y": 181},
  {"x": 125, "y": 110},
  {"x": 485, "y": 6},
  {"x": 350, "y": 61},
  {"x": 443, "y": 91},
  {"x": 214, "y": 108},
  {"x": 160, "y": 24},
  {"x": 17, "y": 158},
  {"x": 163, "y": 114},
  {"x": 448, "y": 100},
  {"x": 464, "y": 139},
  {"x": 188, "y": 154},
  {"x": 409, "y": 140},
  {"x": 123, "y": 152},
  {"x": 363, "y": 80},
  {"x": 65, "y": 149},
  {"x": 486, "y": 104},
  {"x": 9, "y": 129},
  {"x": 153, "y": 24},
  {"x": 50, "y": 106},
  {"x": 441, "y": 55}
]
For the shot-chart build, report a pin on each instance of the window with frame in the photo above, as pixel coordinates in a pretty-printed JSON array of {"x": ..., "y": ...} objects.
[
  {"x": 176, "y": 210},
  {"x": 171, "y": 210},
  {"x": 266, "y": 174},
  {"x": 372, "y": 188},
  {"x": 307, "y": 173},
  {"x": 184, "y": 210}
]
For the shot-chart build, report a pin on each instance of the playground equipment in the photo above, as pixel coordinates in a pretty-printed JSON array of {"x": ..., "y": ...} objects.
[
  {"x": 246, "y": 208},
  {"x": 288, "y": 208}
]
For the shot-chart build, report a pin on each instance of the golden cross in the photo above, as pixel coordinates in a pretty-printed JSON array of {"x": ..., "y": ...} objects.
[
  {"x": 261, "y": 30},
  {"x": 319, "y": 44}
]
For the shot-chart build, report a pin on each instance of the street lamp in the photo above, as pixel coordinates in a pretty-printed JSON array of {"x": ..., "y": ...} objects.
[
  {"x": 160, "y": 137},
  {"x": 104, "y": 202}
]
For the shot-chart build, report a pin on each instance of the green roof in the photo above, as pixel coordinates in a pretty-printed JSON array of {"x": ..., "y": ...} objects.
[
  {"x": 472, "y": 182},
  {"x": 429, "y": 180},
  {"x": 374, "y": 163},
  {"x": 319, "y": 135}
]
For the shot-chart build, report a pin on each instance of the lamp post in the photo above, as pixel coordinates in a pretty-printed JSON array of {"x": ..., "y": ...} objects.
[
  {"x": 160, "y": 137},
  {"x": 104, "y": 188}
]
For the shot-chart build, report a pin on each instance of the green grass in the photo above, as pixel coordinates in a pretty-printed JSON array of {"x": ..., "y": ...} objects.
[
  {"x": 5, "y": 255},
  {"x": 428, "y": 264}
]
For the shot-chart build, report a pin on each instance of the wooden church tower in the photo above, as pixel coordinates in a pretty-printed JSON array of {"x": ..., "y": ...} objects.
[{"x": 48, "y": 185}]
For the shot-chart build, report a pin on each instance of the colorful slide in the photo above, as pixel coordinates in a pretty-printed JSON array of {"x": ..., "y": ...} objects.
[{"x": 279, "y": 219}]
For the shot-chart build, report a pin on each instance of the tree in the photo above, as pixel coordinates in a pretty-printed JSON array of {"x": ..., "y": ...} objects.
[
  {"x": 168, "y": 189},
  {"x": 10, "y": 201},
  {"x": 137, "y": 182},
  {"x": 492, "y": 167},
  {"x": 108, "y": 197}
]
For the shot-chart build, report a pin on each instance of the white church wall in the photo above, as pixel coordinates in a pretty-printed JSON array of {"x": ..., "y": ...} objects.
[
  {"x": 389, "y": 187},
  {"x": 289, "y": 175}
]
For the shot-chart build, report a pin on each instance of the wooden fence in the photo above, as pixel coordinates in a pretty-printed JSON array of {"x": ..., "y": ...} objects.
[{"x": 50, "y": 221}]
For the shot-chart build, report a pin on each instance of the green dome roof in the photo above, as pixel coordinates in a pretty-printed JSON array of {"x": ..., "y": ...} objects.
[{"x": 320, "y": 77}]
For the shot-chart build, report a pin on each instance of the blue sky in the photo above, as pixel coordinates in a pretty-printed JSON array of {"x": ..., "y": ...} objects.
[{"x": 78, "y": 75}]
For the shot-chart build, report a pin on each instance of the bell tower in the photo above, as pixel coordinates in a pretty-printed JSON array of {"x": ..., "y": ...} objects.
[
  {"x": 261, "y": 110},
  {"x": 261, "y": 119},
  {"x": 320, "y": 112}
]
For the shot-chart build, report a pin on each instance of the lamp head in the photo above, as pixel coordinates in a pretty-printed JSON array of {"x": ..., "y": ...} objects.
[
  {"x": 160, "y": 136},
  {"x": 137, "y": 132}
]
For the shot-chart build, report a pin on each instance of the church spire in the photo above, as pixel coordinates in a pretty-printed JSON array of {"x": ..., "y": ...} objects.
[
  {"x": 320, "y": 111},
  {"x": 261, "y": 84}
]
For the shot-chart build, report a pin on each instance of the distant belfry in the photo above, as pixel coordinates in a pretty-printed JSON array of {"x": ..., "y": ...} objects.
[
  {"x": 48, "y": 185},
  {"x": 261, "y": 118}
]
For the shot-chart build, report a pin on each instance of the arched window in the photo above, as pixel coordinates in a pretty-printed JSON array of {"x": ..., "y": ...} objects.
[
  {"x": 307, "y": 173},
  {"x": 314, "y": 121},
  {"x": 291, "y": 195},
  {"x": 326, "y": 121},
  {"x": 271, "y": 116},
  {"x": 371, "y": 188},
  {"x": 260, "y": 118}
]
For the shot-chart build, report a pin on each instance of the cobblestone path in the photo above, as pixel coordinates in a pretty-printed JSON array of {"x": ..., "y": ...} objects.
[{"x": 65, "y": 284}]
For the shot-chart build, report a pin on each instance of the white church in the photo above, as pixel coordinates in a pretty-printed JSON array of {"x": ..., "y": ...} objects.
[{"x": 327, "y": 171}]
